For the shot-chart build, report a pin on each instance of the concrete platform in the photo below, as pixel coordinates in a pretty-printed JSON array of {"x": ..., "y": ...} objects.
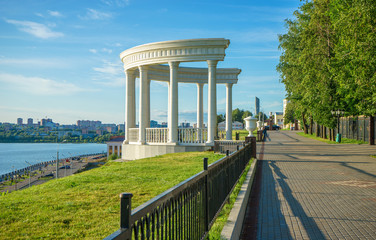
[{"x": 139, "y": 151}]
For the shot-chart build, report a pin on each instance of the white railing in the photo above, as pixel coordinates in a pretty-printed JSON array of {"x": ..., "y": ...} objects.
[
  {"x": 192, "y": 135},
  {"x": 156, "y": 135},
  {"x": 133, "y": 135}
]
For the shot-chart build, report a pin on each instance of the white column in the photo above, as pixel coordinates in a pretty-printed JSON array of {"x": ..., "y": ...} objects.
[
  {"x": 228, "y": 111},
  {"x": 147, "y": 103},
  {"x": 200, "y": 105},
  {"x": 200, "y": 110},
  {"x": 212, "y": 99},
  {"x": 129, "y": 103},
  {"x": 142, "y": 103},
  {"x": 173, "y": 102}
]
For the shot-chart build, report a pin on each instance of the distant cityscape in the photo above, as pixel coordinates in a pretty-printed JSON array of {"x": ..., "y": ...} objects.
[{"x": 83, "y": 128}]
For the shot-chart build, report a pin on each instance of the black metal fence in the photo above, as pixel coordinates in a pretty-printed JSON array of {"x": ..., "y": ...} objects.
[
  {"x": 358, "y": 128},
  {"x": 355, "y": 128},
  {"x": 222, "y": 146},
  {"x": 188, "y": 210}
]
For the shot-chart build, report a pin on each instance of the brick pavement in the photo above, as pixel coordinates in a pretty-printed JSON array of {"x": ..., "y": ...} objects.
[{"x": 313, "y": 190}]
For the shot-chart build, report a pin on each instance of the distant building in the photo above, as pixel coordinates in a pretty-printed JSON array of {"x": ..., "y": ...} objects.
[
  {"x": 99, "y": 132},
  {"x": 257, "y": 105},
  {"x": 278, "y": 119},
  {"x": 85, "y": 131},
  {"x": 19, "y": 121},
  {"x": 114, "y": 145},
  {"x": 285, "y": 102},
  {"x": 235, "y": 126},
  {"x": 30, "y": 122},
  {"x": 121, "y": 127},
  {"x": 110, "y": 129},
  {"x": 91, "y": 125},
  {"x": 46, "y": 122}
]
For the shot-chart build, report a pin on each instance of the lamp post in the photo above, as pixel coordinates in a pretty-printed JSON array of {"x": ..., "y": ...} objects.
[{"x": 338, "y": 114}]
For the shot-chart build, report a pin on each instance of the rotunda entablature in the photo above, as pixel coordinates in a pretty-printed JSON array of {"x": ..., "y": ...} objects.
[
  {"x": 191, "y": 75},
  {"x": 189, "y": 50}
]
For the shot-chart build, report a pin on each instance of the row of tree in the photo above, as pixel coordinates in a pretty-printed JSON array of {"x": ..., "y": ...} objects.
[
  {"x": 239, "y": 114},
  {"x": 328, "y": 60},
  {"x": 40, "y": 136}
]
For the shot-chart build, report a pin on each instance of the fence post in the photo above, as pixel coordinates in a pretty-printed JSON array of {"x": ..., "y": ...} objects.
[
  {"x": 125, "y": 212},
  {"x": 371, "y": 130},
  {"x": 206, "y": 220}
]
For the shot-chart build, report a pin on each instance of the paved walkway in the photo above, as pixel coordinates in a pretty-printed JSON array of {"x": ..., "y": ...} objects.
[{"x": 313, "y": 190}]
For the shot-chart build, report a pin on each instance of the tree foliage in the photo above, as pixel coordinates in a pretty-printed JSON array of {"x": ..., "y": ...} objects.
[{"x": 328, "y": 59}]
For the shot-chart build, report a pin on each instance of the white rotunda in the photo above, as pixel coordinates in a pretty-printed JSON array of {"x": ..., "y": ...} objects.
[{"x": 160, "y": 62}]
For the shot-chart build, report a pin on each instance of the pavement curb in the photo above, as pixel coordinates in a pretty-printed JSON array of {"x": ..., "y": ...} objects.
[{"x": 234, "y": 224}]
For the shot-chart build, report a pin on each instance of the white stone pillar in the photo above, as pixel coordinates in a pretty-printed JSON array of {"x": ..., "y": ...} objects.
[
  {"x": 200, "y": 110},
  {"x": 212, "y": 99},
  {"x": 147, "y": 103},
  {"x": 173, "y": 103},
  {"x": 129, "y": 103},
  {"x": 200, "y": 105},
  {"x": 228, "y": 111},
  {"x": 142, "y": 103}
]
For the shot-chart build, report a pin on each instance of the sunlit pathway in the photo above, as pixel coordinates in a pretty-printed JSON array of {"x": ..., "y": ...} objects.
[{"x": 313, "y": 190}]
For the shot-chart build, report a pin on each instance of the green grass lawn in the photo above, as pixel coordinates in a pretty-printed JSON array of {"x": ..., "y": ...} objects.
[
  {"x": 86, "y": 205},
  {"x": 343, "y": 140}
]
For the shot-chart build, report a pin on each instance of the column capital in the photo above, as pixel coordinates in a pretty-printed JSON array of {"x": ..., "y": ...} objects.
[
  {"x": 173, "y": 64},
  {"x": 212, "y": 63},
  {"x": 143, "y": 68},
  {"x": 229, "y": 84},
  {"x": 200, "y": 84}
]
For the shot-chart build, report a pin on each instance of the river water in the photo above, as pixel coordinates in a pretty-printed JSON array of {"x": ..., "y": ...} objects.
[{"x": 14, "y": 155}]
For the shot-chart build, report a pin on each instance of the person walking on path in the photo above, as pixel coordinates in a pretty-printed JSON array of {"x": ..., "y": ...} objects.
[{"x": 265, "y": 134}]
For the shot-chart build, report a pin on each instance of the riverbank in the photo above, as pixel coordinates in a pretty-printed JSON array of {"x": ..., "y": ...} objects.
[
  {"x": 16, "y": 156},
  {"x": 47, "y": 172}
]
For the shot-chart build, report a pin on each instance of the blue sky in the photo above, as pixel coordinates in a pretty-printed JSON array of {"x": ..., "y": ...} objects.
[{"x": 60, "y": 59}]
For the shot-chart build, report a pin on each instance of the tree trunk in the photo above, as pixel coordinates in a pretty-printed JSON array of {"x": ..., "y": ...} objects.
[
  {"x": 317, "y": 130},
  {"x": 324, "y": 133},
  {"x": 330, "y": 134},
  {"x": 311, "y": 127},
  {"x": 304, "y": 124}
]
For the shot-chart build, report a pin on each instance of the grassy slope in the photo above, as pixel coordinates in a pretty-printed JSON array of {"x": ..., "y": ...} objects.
[
  {"x": 86, "y": 205},
  {"x": 343, "y": 140}
]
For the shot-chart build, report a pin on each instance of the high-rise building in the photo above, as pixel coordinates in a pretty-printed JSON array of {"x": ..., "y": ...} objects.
[
  {"x": 19, "y": 121},
  {"x": 91, "y": 125},
  {"x": 257, "y": 105},
  {"x": 30, "y": 121}
]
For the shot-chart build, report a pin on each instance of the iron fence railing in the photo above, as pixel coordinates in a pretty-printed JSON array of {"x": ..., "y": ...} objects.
[
  {"x": 222, "y": 146},
  {"x": 187, "y": 210}
]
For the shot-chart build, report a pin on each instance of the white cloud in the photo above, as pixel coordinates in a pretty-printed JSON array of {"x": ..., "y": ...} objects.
[
  {"x": 93, "y": 14},
  {"x": 117, "y": 3},
  {"x": 34, "y": 62},
  {"x": 36, "y": 29},
  {"x": 40, "y": 86},
  {"x": 106, "y": 50},
  {"x": 93, "y": 50},
  {"x": 109, "y": 73},
  {"x": 54, "y": 13}
]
